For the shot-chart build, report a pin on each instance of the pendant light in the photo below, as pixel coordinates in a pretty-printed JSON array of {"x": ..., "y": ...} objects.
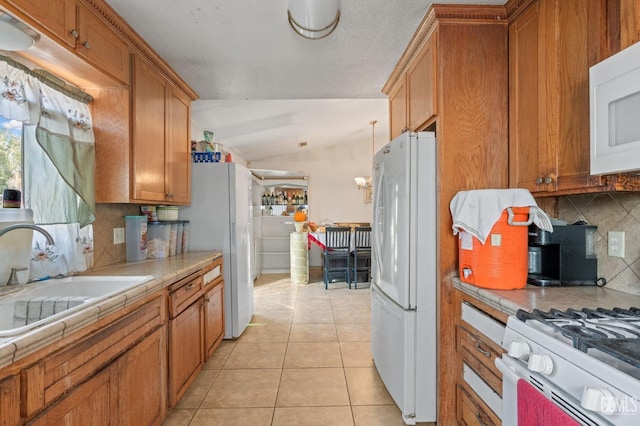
[{"x": 364, "y": 183}]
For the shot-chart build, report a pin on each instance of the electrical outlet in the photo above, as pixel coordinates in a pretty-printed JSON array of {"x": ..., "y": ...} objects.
[
  {"x": 118, "y": 235},
  {"x": 615, "y": 243}
]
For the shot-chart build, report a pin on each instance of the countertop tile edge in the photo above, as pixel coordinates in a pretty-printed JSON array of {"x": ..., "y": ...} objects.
[{"x": 12, "y": 349}]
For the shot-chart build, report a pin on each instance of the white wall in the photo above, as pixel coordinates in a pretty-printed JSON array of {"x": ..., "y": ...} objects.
[{"x": 332, "y": 191}]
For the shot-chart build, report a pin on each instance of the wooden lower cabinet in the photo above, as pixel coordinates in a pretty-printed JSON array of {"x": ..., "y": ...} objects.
[
  {"x": 471, "y": 411},
  {"x": 213, "y": 307},
  {"x": 129, "y": 387},
  {"x": 479, "y": 382},
  {"x": 9, "y": 394},
  {"x": 185, "y": 350},
  {"x": 139, "y": 381},
  {"x": 214, "y": 318},
  {"x": 127, "y": 371},
  {"x": 88, "y": 404},
  {"x": 129, "y": 391}
]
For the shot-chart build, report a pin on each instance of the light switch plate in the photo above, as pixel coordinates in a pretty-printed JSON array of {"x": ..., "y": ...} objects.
[
  {"x": 118, "y": 235},
  {"x": 615, "y": 243}
]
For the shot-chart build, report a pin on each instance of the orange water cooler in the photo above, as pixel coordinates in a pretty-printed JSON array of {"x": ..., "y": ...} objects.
[{"x": 501, "y": 263}]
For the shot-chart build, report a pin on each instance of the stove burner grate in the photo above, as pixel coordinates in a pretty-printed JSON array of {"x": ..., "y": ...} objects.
[{"x": 615, "y": 332}]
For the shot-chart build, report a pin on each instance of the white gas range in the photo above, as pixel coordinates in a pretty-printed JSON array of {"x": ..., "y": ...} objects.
[{"x": 584, "y": 364}]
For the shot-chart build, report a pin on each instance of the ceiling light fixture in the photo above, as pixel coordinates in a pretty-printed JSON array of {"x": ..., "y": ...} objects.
[
  {"x": 365, "y": 182},
  {"x": 14, "y": 35},
  {"x": 314, "y": 19}
]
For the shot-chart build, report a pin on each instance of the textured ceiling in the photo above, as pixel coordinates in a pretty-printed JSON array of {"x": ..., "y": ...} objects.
[{"x": 263, "y": 88}]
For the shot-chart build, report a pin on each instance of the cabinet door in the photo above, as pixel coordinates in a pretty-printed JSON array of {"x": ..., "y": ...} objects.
[
  {"x": 58, "y": 17},
  {"x": 178, "y": 172},
  {"x": 140, "y": 382},
  {"x": 101, "y": 46},
  {"x": 9, "y": 397},
  {"x": 550, "y": 45},
  {"x": 421, "y": 86},
  {"x": 214, "y": 319},
  {"x": 472, "y": 412},
  {"x": 185, "y": 350},
  {"x": 398, "y": 109},
  {"x": 88, "y": 404},
  {"x": 629, "y": 23},
  {"x": 527, "y": 150},
  {"x": 149, "y": 104}
]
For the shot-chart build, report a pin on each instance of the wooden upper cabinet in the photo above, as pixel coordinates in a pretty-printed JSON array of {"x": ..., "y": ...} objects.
[
  {"x": 398, "y": 109},
  {"x": 149, "y": 105},
  {"x": 101, "y": 46},
  {"x": 74, "y": 25},
  {"x": 178, "y": 173},
  {"x": 629, "y": 23},
  {"x": 549, "y": 97},
  {"x": 421, "y": 94},
  {"x": 412, "y": 101},
  {"x": 161, "y": 145}
]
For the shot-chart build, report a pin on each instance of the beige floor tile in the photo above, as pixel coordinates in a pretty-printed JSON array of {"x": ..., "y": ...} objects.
[
  {"x": 377, "y": 415},
  {"x": 312, "y": 303},
  {"x": 312, "y": 387},
  {"x": 313, "y": 416},
  {"x": 313, "y": 316},
  {"x": 269, "y": 316},
  {"x": 313, "y": 333},
  {"x": 356, "y": 354},
  {"x": 265, "y": 332},
  {"x": 233, "y": 417},
  {"x": 196, "y": 393},
  {"x": 313, "y": 354},
  {"x": 358, "y": 332},
  {"x": 179, "y": 417},
  {"x": 351, "y": 316},
  {"x": 220, "y": 355},
  {"x": 244, "y": 388},
  {"x": 256, "y": 355},
  {"x": 366, "y": 387}
]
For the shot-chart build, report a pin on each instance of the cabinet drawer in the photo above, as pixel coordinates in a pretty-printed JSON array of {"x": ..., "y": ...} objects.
[
  {"x": 213, "y": 273},
  {"x": 480, "y": 355},
  {"x": 471, "y": 411},
  {"x": 183, "y": 293}
]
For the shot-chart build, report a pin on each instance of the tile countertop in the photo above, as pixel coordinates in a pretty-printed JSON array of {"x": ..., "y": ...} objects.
[
  {"x": 546, "y": 298},
  {"x": 165, "y": 272}
]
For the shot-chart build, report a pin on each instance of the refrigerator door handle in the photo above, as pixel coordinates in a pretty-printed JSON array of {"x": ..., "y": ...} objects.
[{"x": 377, "y": 189}]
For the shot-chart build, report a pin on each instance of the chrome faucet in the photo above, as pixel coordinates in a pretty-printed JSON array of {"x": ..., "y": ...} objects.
[
  {"x": 13, "y": 279},
  {"x": 28, "y": 226}
]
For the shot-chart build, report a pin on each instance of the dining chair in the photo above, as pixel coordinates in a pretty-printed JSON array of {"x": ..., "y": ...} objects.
[
  {"x": 336, "y": 255},
  {"x": 361, "y": 255}
]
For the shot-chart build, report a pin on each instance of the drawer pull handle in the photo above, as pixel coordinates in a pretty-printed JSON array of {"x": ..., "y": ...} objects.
[
  {"x": 480, "y": 419},
  {"x": 189, "y": 286},
  {"x": 483, "y": 351}
]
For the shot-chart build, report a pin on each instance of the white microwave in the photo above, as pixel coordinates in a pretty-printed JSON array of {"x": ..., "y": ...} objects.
[{"x": 614, "y": 98}]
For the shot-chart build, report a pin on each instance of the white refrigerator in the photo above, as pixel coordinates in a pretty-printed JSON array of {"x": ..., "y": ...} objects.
[
  {"x": 404, "y": 256},
  {"x": 220, "y": 216}
]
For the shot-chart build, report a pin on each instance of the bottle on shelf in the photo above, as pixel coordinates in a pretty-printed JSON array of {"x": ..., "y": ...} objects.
[{"x": 304, "y": 198}]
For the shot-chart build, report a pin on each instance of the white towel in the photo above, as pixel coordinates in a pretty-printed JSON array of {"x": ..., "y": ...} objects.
[
  {"x": 477, "y": 211},
  {"x": 37, "y": 308}
]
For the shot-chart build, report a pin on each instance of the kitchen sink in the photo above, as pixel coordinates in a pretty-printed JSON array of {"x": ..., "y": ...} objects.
[{"x": 35, "y": 304}]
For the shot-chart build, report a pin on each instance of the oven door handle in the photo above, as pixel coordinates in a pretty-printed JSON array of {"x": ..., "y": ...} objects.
[{"x": 506, "y": 370}]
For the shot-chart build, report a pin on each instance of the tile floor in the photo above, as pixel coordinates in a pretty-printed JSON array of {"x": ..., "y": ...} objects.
[{"x": 304, "y": 360}]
